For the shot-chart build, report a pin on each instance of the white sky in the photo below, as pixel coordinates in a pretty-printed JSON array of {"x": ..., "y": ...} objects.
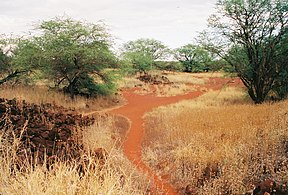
[{"x": 174, "y": 22}]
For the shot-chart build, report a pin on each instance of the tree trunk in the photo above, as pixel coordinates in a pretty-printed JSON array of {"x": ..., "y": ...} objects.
[
  {"x": 71, "y": 88},
  {"x": 14, "y": 74}
]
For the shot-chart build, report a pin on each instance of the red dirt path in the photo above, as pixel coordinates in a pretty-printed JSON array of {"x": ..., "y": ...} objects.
[{"x": 137, "y": 105}]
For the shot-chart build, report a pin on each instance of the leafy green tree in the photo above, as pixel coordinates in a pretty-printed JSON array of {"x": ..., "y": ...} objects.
[
  {"x": 280, "y": 86},
  {"x": 252, "y": 31},
  {"x": 4, "y": 67},
  {"x": 143, "y": 53},
  {"x": 73, "y": 54},
  {"x": 139, "y": 61},
  {"x": 10, "y": 68},
  {"x": 193, "y": 58}
]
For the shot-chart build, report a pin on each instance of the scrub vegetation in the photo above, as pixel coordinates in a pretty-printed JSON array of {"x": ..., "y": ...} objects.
[{"x": 211, "y": 116}]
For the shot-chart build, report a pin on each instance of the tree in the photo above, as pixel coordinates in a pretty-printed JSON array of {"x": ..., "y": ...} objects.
[
  {"x": 251, "y": 30},
  {"x": 73, "y": 54},
  {"x": 139, "y": 61},
  {"x": 4, "y": 67},
  {"x": 10, "y": 69},
  {"x": 192, "y": 57},
  {"x": 143, "y": 53},
  {"x": 280, "y": 86}
]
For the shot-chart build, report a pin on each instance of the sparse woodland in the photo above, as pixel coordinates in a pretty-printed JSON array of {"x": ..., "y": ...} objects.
[{"x": 213, "y": 119}]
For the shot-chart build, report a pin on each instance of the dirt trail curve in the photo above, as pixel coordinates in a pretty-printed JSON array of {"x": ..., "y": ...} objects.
[
  {"x": 136, "y": 107},
  {"x": 134, "y": 110}
]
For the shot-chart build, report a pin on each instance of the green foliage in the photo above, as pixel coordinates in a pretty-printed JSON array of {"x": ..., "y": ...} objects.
[
  {"x": 143, "y": 53},
  {"x": 86, "y": 86},
  {"x": 27, "y": 55},
  {"x": 69, "y": 52},
  {"x": 169, "y": 65},
  {"x": 280, "y": 86},
  {"x": 4, "y": 62},
  {"x": 140, "y": 61},
  {"x": 193, "y": 58},
  {"x": 221, "y": 65},
  {"x": 10, "y": 69},
  {"x": 247, "y": 34}
]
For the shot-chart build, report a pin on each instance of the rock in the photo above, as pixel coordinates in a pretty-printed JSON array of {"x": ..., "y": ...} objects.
[
  {"x": 154, "y": 79},
  {"x": 189, "y": 190},
  {"x": 44, "y": 129},
  {"x": 269, "y": 186}
]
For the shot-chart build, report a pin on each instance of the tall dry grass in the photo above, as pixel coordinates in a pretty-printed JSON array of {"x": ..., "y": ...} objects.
[
  {"x": 187, "y": 78},
  {"x": 115, "y": 176},
  {"x": 41, "y": 94},
  {"x": 219, "y": 143}
]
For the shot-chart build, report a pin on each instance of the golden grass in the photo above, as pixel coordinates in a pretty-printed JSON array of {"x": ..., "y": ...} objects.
[
  {"x": 129, "y": 82},
  {"x": 173, "y": 90},
  {"x": 218, "y": 129},
  {"x": 209, "y": 74},
  {"x": 64, "y": 177},
  {"x": 41, "y": 94},
  {"x": 182, "y": 83},
  {"x": 186, "y": 78},
  {"x": 223, "y": 97},
  {"x": 114, "y": 177}
]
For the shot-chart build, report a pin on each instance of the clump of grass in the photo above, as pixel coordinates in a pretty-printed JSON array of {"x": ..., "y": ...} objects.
[
  {"x": 243, "y": 142},
  {"x": 103, "y": 133},
  {"x": 173, "y": 90},
  {"x": 129, "y": 82},
  {"x": 41, "y": 94},
  {"x": 210, "y": 74},
  {"x": 225, "y": 96},
  {"x": 185, "y": 78}
]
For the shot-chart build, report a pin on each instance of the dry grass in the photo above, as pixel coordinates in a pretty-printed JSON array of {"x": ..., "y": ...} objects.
[
  {"x": 186, "y": 78},
  {"x": 129, "y": 82},
  {"x": 114, "y": 177},
  {"x": 219, "y": 130},
  {"x": 41, "y": 94},
  {"x": 182, "y": 83},
  {"x": 209, "y": 74},
  {"x": 64, "y": 178},
  {"x": 173, "y": 90},
  {"x": 225, "y": 96}
]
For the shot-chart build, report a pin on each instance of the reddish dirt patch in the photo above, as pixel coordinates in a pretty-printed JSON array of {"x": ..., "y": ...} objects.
[{"x": 137, "y": 105}]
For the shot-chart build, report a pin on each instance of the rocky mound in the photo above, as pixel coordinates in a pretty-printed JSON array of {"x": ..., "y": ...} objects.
[
  {"x": 154, "y": 79},
  {"x": 41, "y": 132}
]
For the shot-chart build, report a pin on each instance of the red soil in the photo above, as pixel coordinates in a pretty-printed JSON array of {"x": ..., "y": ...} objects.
[{"x": 137, "y": 105}]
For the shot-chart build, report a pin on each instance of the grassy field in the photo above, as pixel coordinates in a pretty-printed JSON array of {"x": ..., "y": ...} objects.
[
  {"x": 219, "y": 143},
  {"x": 114, "y": 177},
  {"x": 42, "y": 94}
]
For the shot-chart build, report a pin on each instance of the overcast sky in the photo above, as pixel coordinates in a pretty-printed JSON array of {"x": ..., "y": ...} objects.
[{"x": 174, "y": 22}]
